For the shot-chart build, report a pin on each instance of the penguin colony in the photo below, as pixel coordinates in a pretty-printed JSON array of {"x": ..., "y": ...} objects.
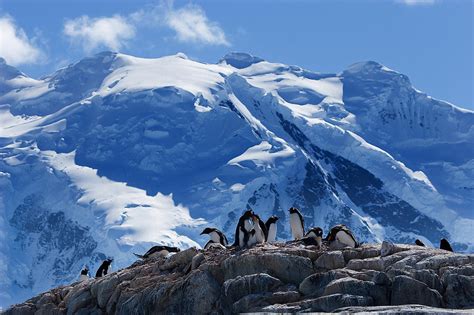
[{"x": 251, "y": 230}]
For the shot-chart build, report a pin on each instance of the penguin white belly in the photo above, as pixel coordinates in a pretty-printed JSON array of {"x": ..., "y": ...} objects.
[
  {"x": 248, "y": 225},
  {"x": 83, "y": 278},
  {"x": 252, "y": 239},
  {"x": 259, "y": 235},
  {"x": 296, "y": 226},
  {"x": 215, "y": 237},
  {"x": 272, "y": 232},
  {"x": 345, "y": 239}
]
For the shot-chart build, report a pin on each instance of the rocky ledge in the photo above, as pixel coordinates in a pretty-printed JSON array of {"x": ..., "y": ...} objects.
[{"x": 274, "y": 278}]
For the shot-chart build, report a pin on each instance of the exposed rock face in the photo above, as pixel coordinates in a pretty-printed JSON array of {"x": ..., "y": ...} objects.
[{"x": 273, "y": 278}]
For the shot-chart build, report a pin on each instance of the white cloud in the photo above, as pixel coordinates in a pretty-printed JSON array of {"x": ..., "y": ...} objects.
[
  {"x": 91, "y": 33},
  {"x": 15, "y": 46},
  {"x": 192, "y": 25},
  {"x": 417, "y": 2}
]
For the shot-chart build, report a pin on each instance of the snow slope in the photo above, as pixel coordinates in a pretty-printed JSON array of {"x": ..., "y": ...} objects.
[{"x": 115, "y": 153}]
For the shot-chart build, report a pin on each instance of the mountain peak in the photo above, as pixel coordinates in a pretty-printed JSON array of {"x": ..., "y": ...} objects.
[{"x": 240, "y": 60}]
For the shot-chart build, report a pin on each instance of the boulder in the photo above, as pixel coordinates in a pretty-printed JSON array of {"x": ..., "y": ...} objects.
[
  {"x": 315, "y": 284},
  {"x": 290, "y": 269},
  {"x": 330, "y": 260},
  {"x": 374, "y": 263},
  {"x": 236, "y": 288},
  {"x": 459, "y": 291},
  {"x": 329, "y": 303},
  {"x": 406, "y": 290},
  {"x": 105, "y": 288}
]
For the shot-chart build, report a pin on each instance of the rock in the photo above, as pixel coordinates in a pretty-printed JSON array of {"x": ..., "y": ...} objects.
[
  {"x": 180, "y": 259},
  {"x": 267, "y": 278},
  {"x": 430, "y": 278},
  {"x": 330, "y": 260},
  {"x": 315, "y": 284},
  {"x": 105, "y": 288},
  {"x": 250, "y": 303},
  {"x": 362, "y": 252},
  {"x": 234, "y": 289},
  {"x": 381, "y": 278},
  {"x": 329, "y": 303},
  {"x": 290, "y": 269},
  {"x": 197, "y": 260},
  {"x": 366, "y": 264},
  {"x": 459, "y": 291},
  {"x": 406, "y": 290},
  {"x": 389, "y": 248},
  {"x": 23, "y": 309},
  {"x": 399, "y": 309},
  {"x": 445, "y": 259},
  {"x": 78, "y": 299},
  {"x": 351, "y": 286}
]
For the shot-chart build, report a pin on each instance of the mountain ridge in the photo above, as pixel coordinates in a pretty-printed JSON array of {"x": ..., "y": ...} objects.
[{"x": 182, "y": 143}]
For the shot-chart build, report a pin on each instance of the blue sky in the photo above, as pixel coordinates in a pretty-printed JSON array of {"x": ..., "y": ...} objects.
[{"x": 429, "y": 40}]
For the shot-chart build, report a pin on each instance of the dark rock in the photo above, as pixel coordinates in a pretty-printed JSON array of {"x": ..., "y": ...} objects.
[
  {"x": 315, "y": 284},
  {"x": 406, "y": 290},
  {"x": 459, "y": 291},
  {"x": 290, "y": 269},
  {"x": 330, "y": 260},
  {"x": 234, "y": 289}
]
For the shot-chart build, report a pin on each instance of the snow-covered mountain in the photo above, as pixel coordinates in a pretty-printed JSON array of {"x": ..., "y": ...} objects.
[{"x": 114, "y": 153}]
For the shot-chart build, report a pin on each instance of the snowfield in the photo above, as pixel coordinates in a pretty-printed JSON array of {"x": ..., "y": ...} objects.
[{"x": 115, "y": 153}]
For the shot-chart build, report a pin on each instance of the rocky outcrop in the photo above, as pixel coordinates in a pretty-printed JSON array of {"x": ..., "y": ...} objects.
[{"x": 274, "y": 278}]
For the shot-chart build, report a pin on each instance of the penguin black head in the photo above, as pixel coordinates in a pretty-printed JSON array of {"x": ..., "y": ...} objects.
[
  {"x": 272, "y": 219},
  {"x": 173, "y": 249},
  {"x": 208, "y": 230},
  {"x": 317, "y": 231},
  {"x": 293, "y": 210},
  {"x": 444, "y": 244},
  {"x": 419, "y": 243},
  {"x": 248, "y": 214},
  {"x": 108, "y": 261},
  {"x": 85, "y": 271}
]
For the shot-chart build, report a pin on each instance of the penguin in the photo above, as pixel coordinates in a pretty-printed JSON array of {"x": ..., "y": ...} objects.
[
  {"x": 104, "y": 268},
  {"x": 84, "y": 274},
  {"x": 212, "y": 244},
  {"x": 444, "y": 244},
  {"x": 340, "y": 236},
  {"x": 260, "y": 235},
  {"x": 216, "y": 236},
  {"x": 158, "y": 251},
  {"x": 313, "y": 237},
  {"x": 296, "y": 223},
  {"x": 271, "y": 228},
  {"x": 419, "y": 243},
  {"x": 243, "y": 229}
]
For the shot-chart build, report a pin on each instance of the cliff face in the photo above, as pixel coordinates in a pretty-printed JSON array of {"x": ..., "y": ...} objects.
[{"x": 273, "y": 278}]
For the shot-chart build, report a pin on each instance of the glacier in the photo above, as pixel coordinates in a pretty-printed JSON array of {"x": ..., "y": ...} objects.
[{"x": 114, "y": 153}]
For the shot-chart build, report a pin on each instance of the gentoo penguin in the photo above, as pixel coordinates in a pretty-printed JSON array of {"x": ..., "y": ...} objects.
[
  {"x": 296, "y": 223},
  {"x": 84, "y": 274},
  {"x": 313, "y": 237},
  {"x": 340, "y": 236},
  {"x": 243, "y": 229},
  {"x": 260, "y": 229},
  {"x": 104, "y": 268},
  {"x": 444, "y": 244},
  {"x": 271, "y": 228},
  {"x": 419, "y": 243},
  {"x": 216, "y": 236},
  {"x": 158, "y": 251}
]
